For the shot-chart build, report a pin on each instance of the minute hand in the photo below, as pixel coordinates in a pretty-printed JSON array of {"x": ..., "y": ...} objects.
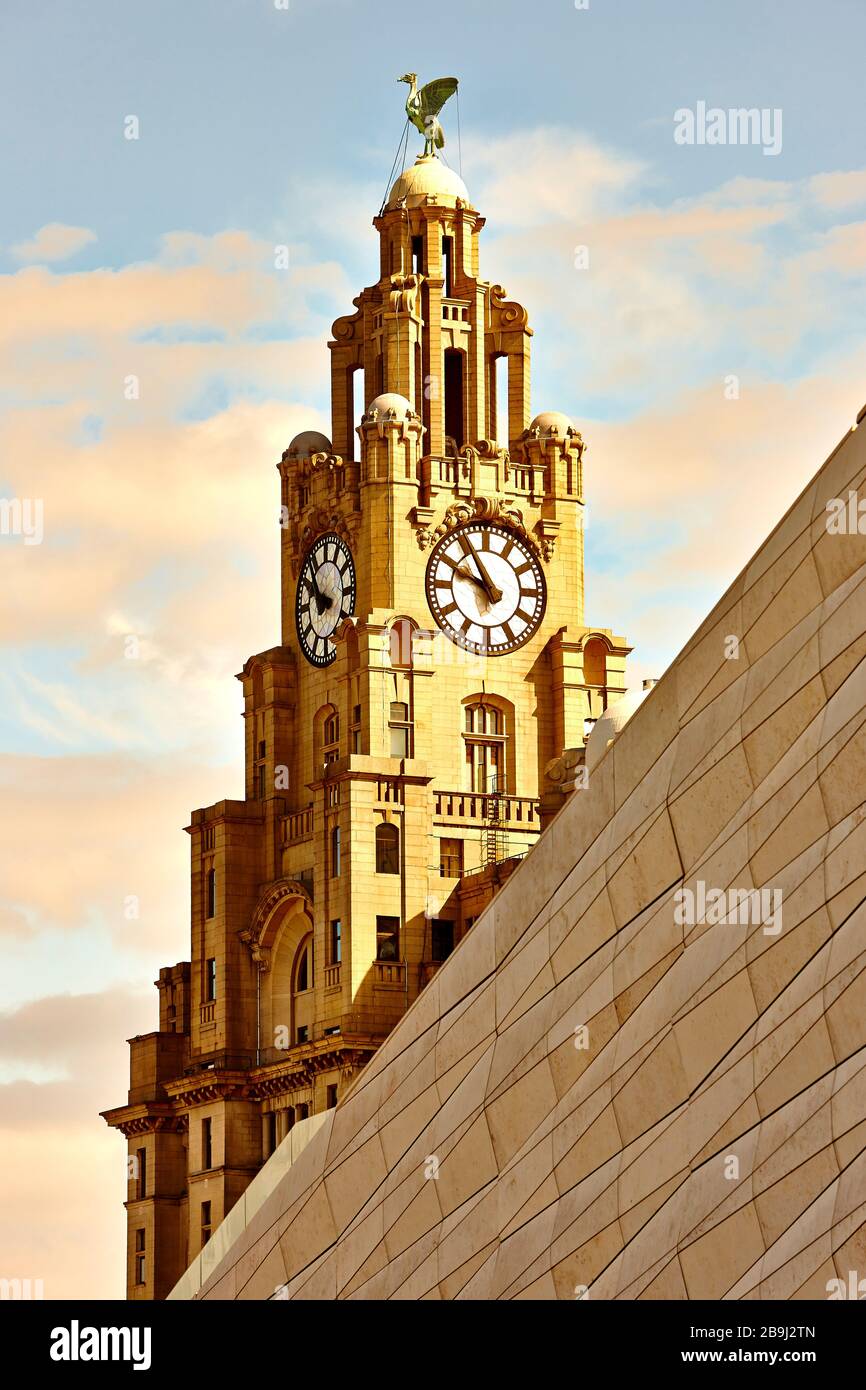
[{"x": 493, "y": 593}]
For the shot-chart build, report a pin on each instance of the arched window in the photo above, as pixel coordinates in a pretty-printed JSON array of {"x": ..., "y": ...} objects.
[
  {"x": 400, "y": 639},
  {"x": 595, "y": 662},
  {"x": 326, "y": 737},
  {"x": 484, "y": 736},
  {"x": 387, "y": 849},
  {"x": 303, "y": 1004},
  {"x": 304, "y": 966}
]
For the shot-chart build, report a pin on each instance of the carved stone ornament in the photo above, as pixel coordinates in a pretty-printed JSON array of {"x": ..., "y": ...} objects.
[
  {"x": 254, "y": 935},
  {"x": 404, "y": 297},
  {"x": 477, "y": 509},
  {"x": 318, "y": 521},
  {"x": 506, "y": 313},
  {"x": 346, "y": 328}
]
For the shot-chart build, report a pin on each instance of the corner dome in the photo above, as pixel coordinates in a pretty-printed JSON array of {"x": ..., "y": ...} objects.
[
  {"x": 427, "y": 178},
  {"x": 614, "y": 719},
  {"x": 309, "y": 442},
  {"x": 553, "y": 422},
  {"x": 388, "y": 403}
]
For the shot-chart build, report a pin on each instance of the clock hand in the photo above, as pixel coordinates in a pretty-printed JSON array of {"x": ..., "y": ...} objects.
[
  {"x": 466, "y": 573},
  {"x": 322, "y": 600},
  {"x": 494, "y": 594}
]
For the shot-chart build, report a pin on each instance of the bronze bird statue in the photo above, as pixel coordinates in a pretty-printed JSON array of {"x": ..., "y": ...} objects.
[{"x": 423, "y": 107}]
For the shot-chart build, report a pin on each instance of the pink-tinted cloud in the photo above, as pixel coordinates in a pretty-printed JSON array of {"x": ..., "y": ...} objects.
[{"x": 54, "y": 242}]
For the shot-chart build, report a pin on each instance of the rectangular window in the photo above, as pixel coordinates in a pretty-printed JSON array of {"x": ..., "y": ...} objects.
[
  {"x": 450, "y": 858},
  {"x": 336, "y": 941},
  {"x": 335, "y": 852},
  {"x": 303, "y": 1033},
  {"x": 210, "y": 980},
  {"x": 356, "y": 729},
  {"x": 447, "y": 257},
  {"x": 207, "y": 1143},
  {"x": 443, "y": 938},
  {"x": 387, "y": 938},
  {"x": 418, "y": 255},
  {"x": 261, "y": 773},
  {"x": 139, "y": 1239},
  {"x": 272, "y": 1133},
  {"x": 141, "y": 1189},
  {"x": 140, "y": 1271},
  {"x": 205, "y": 1222},
  {"x": 210, "y": 896},
  {"x": 332, "y": 1097},
  {"x": 399, "y": 727}
]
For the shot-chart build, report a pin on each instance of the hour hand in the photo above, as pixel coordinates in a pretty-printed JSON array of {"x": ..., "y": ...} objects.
[
  {"x": 465, "y": 573},
  {"x": 322, "y": 600}
]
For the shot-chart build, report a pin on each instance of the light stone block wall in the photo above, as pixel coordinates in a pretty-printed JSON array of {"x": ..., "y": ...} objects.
[{"x": 705, "y": 1138}]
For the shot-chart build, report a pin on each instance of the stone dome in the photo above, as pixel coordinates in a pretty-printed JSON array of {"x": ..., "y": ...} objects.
[
  {"x": 309, "y": 442},
  {"x": 385, "y": 404},
  {"x": 553, "y": 421},
  {"x": 428, "y": 177},
  {"x": 615, "y": 717}
]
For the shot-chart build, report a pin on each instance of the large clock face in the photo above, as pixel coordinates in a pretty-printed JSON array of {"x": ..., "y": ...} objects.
[
  {"x": 326, "y": 594},
  {"x": 485, "y": 588}
]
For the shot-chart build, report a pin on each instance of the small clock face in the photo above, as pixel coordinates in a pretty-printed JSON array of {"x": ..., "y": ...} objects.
[
  {"x": 485, "y": 588},
  {"x": 326, "y": 594}
]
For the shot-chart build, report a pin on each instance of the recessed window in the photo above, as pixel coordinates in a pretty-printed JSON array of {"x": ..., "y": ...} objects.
[
  {"x": 443, "y": 939},
  {"x": 331, "y": 739},
  {"x": 303, "y": 982},
  {"x": 210, "y": 979},
  {"x": 447, "y": 258},
  {"x": 398, "y": 723},
  {"x": 303, "y": 1033},
  {"x": 205, "y": 1222},
  {"x": 450, "y": 858},
  {"x": 140, "y": 1271},
  {"x": 210, "y": 893},
  {"x": 335, "y": 852},
  {"x": 387, "y": 849},
  {"x": 484, "y": 738},
  {"x": 207, "y": 1143},
  {"x": 401, "y": 635},
  {"x": 303, "y": 1112},
  {"x": 331, "y": 1099},
  {"x": 141, "y": 1163},
  {"x": 387, "y": 938},
  {"x": 356, "y": 729},
  {"x": 336, "y": 947}
]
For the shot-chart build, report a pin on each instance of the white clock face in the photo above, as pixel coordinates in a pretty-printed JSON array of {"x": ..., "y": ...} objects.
[
  {"x": 485, "y": 588},
  {"x": 326, "y": 595}
]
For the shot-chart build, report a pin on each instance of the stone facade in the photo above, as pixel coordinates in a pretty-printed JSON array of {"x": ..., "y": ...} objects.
[
  {"x": 628, "y": 1082},
  {"x": 391, "y": 788}
]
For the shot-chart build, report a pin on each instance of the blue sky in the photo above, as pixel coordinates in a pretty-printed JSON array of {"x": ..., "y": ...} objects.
[{"x": 262, "y": 127}]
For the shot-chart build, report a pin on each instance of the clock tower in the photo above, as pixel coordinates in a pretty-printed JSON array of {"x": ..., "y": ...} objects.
[{"x": 421, "y": 719}]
